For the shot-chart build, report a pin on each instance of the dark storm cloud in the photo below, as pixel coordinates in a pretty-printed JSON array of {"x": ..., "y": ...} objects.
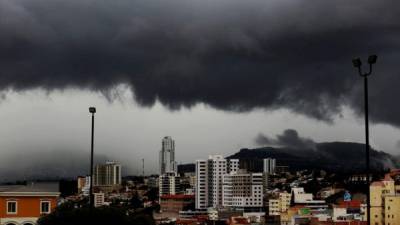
[
  {"x": 289, "y": 138},
  {"x": 230, "y": 54}
]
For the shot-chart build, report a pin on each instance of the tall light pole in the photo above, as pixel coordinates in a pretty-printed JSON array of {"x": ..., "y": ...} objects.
[
  {"x": 92, "y": 110},
  {"x": 357, "y": 63}
]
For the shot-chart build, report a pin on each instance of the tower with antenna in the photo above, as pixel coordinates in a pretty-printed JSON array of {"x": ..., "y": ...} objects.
[{"x": 143, "y": 167}]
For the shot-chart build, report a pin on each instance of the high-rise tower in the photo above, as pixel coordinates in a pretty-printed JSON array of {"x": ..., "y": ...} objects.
[
  {"x": 167, "y": 156},
  {"x": 209, "y": 180},
  {"x": 269, "y": 165}
]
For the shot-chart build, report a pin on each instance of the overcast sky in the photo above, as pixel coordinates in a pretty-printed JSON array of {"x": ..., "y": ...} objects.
[{"x": 216, "y": 75}]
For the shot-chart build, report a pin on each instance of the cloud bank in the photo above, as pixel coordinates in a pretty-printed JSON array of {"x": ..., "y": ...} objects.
[{"x": 230, "y": 54}]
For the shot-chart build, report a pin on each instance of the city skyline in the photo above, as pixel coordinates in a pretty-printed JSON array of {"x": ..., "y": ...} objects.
[{"x": 199, "y": 112}]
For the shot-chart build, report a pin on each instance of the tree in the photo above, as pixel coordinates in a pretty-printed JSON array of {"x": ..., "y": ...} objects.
[
  {"x": 152, "y": 194},
  {"x": 68, "y": 214},
  {"x": 135, "y": 202}
]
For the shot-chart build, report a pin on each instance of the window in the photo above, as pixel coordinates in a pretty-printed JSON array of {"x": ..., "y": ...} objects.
[
  {"x": 11, "y": 207},
  {"x": 44, "y": 207}
]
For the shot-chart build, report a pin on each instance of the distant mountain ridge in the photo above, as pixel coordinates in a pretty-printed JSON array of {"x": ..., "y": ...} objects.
[{"x": 332, "y": 156}]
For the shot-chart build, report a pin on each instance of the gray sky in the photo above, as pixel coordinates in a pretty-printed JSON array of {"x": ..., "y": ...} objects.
[
  {"x": 213, "y": 74},
  {"x": 39, "y": 126}
]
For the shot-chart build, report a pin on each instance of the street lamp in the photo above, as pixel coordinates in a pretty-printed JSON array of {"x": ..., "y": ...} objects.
[
  {"x": 357, "y": 63},
  {"x": 92, "y": 110}
]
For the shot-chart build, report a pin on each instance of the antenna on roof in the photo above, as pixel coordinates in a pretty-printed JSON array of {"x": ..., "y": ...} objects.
[{"x": 143, "y": 167}]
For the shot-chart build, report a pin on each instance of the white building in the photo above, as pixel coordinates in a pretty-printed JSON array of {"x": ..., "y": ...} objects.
[
  {"x": 169, "y": 184},
  {"x": 108, "y": 174},
  {"x": 242, "y": 189},
  {"x": 167, "y": 156},
  {"x": 209, "y": 180},
  {"x": 300, "y": 196},
  {"x": 307, "y": 200},
  {"x": 269, "y": 165},
  {"x": 86, "y": 187},
  {"x": 98, "y": 199}
]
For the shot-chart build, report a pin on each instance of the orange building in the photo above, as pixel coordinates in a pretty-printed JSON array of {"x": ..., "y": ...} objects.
[{"x": 24, "y": 204}]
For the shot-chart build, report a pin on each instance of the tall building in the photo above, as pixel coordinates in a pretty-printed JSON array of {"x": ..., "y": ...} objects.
[
  {"x": 169, "y": 184},
  {"x": 209, "y": 180},
  {"x": 167, "y": 156},
  {"x": 243, "y": 189},
  {"x": 108, "y": 174},
  {"x": 269, "y": 165}
]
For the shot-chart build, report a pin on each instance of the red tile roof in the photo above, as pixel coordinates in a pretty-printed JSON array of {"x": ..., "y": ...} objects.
[{"x": 178, "y": 196}]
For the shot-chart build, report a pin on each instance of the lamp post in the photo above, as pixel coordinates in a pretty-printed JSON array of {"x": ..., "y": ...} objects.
[
  {"x": 92, "y": 110},
  {"x": 357, "y": 63}
]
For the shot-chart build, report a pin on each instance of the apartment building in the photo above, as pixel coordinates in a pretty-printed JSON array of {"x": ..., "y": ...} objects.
[
  {"x": 24, "y": 204},
  {"x": 108, "y": 174},
  {"x": 242, "y": 189},
  {"x": 385, "y": 202},
  {"x": 99, "y": 199},
  {"x": 175, "y": 203},
  {"x": 269, "y": 165},
  {"x": 169, "y": 184},
  {"x": 209, "y": 180},
  {"x": 280, "y": 204}
]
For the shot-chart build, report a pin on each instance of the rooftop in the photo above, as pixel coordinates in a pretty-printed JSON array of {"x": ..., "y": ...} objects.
[
  {"x": 177, "y": 196},
  {"x": 40, "y": 187}
]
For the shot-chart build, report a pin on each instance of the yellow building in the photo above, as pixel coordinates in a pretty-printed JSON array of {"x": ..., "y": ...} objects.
[
  {"x": 392, "y": 210},
  {"x": 280, "y": 204},
  {"x": 385, "y": 202},
  {"x": 284, "y": 199}
]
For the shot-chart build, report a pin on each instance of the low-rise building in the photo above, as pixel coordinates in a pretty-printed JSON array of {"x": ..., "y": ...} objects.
[
  {"x": 98, "y": 199},
  {"x": 242, "y": 189},
  {"x": 280, "y": 204},
  {"x": 24, "y": 204},
  {"x": 175, "y": 203},
  {"x": 385, "y": 202}
]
